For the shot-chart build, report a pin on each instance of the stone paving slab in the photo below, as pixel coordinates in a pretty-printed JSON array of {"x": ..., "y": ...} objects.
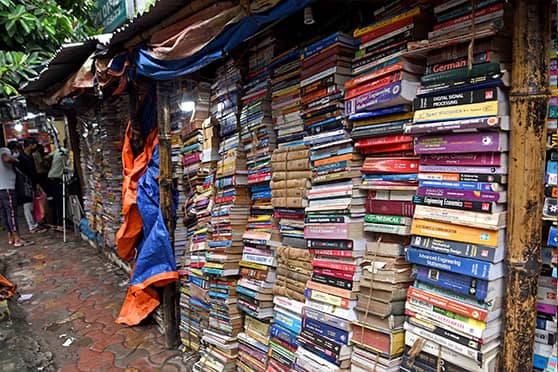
[{"x": 76, "y": 296}]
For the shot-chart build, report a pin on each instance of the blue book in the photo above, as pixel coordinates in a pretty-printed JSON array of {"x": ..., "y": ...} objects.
[
  {"x": 247, "y": 292},
  {"x": 552, "y": 236},
  {"x": 324, "y": 122},
  {"x": 197, "y": 281},
  {"x": 326, "y": 331},
  {"x": 472, "y": 186},
  {"x": 455, "y": 264},
  {"x": 283, "y": 334},
  {"x": 390, "y": 177},
  {"x": 464, "y": 285},
  {"x": 545, "y": 324},
  {"x": 220, "y": 243},
  {"x": 318, "y": 46},
  {"x": 287, "y": 321},
  {"x": 380, "y": 112},
  {"x": 539, "y": 361}
]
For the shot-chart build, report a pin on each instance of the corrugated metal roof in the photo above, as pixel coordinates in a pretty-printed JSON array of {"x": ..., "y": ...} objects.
[
  {"x": 154, "y": 15},
  {"x": 68, "y": 59}
]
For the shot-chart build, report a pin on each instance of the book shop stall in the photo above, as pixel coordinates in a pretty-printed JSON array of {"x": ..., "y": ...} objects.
[{"x": 338, "y": 186}]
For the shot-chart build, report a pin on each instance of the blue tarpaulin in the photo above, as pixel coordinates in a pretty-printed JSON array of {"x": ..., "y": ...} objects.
[{"x": 217, "y": 48}]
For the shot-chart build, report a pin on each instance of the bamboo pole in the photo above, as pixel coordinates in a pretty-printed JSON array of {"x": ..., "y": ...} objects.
[
  {"x": 165, "y": 186},
  {"x": 528, "y": 108}
]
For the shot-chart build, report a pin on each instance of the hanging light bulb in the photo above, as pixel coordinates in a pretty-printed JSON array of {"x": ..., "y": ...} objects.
[
  {"x": 308, "y": 16},
  {"x": 187, "y": 106},
  {"x": 18, "y": 127}
]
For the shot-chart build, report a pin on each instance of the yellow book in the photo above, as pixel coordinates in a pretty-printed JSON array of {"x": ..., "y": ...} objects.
[
  {"x": 473, "y": 110},
  {"x": 410, "y": 13},
  {"x": 252, "y": 265},
  {"x": 465, "y": 234},
  {"x": 384, "y": 119}
]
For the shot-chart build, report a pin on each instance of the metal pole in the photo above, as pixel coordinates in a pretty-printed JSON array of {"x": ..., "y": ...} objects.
[
  {"x": 528, "y": 109},
  {"x": 165, "y": 186}
]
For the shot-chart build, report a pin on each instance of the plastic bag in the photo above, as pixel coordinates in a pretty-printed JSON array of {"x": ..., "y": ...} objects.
[{"x": 40, "y": 204}]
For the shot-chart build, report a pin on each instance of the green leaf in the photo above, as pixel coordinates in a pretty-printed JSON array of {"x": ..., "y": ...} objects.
[
  {"x": 7, "y": 3},
  {"x": 10, "y": 26},
  {"x": 27, "y": 27}
]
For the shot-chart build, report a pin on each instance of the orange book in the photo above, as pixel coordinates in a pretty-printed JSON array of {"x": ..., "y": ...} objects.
[{"x": 333, "y": 159}]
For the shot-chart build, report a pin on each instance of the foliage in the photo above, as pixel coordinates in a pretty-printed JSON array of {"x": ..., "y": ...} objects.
[{"x": 30, "y": 33}]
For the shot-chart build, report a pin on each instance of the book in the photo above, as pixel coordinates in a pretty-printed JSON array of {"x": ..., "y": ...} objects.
[
  {"x": 455, "y": 264},
  {"x": 396, "y": 93},
  {"x": 462, "y": 111}
]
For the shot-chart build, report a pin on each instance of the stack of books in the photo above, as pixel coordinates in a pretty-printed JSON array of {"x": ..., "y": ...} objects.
[
  {"x": 225, "y": 322},
  {"x": 458, "y": 231},
  {"x": 325, "y": 68},
  {"x": 285, "y": 97},
  {"x": 287, "y": 323},
  {"x": 545, "y": 333},
  {"x": 198, "y": 288},
  {"x": 108, "y": 169},
  {"x": 378, "y": 100},
  {"x": 261, "y": 234},
  {"x": 289, "y": 188}
]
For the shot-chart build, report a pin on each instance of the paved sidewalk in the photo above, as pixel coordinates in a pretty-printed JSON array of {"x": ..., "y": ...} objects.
[{"x": 76, "y": 295}]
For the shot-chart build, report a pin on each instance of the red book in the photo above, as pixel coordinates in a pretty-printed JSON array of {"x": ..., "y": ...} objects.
[
  {"x": 392, "y": 207},
  {"x": 332, "y": 252},
  {"x": 396, "y": 138},
  {"x": 396, "y": 147},
  {"x": 468, "y": 17},
  {"x": 373, "y": 75},
  {"x": 376, "y": 339},
  {"x": 371, "y": 85},
  {"x": 334, "y": 266},
  {"x": 334, "y": 273},
  {"x": 337, "y": 50},
  {"x": 379, "y": 165}
]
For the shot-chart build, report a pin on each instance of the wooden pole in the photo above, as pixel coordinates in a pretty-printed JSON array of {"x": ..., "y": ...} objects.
[
  {"x": 165, "y": 186},
  {"x": 528, "y": 104}
]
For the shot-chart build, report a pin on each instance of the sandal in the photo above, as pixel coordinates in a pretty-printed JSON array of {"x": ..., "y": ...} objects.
[
  {"x": 24, "y": 243},
  {"x": 38, "y": 230}
]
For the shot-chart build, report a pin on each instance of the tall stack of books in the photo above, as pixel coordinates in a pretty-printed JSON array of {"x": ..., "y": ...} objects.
[
  {"x": 291, "y": 173},
  {"x": 333, "y": 222},
  {"x": 261, "y": 235},
  {"x": 454, "y": 307},
  {"x": 378, "y": 100},
  {"x": 285, "y": 97},
  {"x": 114, "y": 116},
  {"x": 545, "y": 333}
]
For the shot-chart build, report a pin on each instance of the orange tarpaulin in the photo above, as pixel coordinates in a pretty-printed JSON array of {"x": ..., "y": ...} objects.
[
  {"x": 133, "y": 168},
  {"x": 7, "y": 288}
]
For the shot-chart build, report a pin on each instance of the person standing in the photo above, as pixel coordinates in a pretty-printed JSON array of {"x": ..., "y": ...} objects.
[
  {"x": 8, "y": 199},
  {"x": 55, "y": 177},
  {"x": 26, "y": 165}
]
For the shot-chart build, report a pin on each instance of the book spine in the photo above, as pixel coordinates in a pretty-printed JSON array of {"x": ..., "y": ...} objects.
[
  {"x": 319, "y": 350},
  {"x": 317, "y": 85},
  {"x": 327, "y": 319},
  {"x": 468, "y": 17},
  {"x": 474, "y": 159},
  {"x": 332, "y": 281},
  {"x": 334, "y": 266},
  {"x": 464, "y": 205},
  {"x": 330, "y": 290},
  {"x": 390, "y": 207},
  {"x": 461, "y": 186},
  {"x": 484, "y": 80},
  {"x": 325, "y": 330},
  {"x": 334, "y": 273},
  {"x": 387, "y": 229},
  {"x": 468, "y": 250},
  {"x": 472, "y": 125},
  {"x": 332, "y": 252},
  {"x": 333, "y": 348},
  {"x": 327, "y": 298},
  {"x": 408, "y": 14},
  {"x": 453, "y": 64},
  {"x": 456, "y": 99},
  {"x": 376, "y": 84},
  {"x": 373, "y": 97},
  {"x": 484, "y": 172},
  {"x": 465, "y": 111},
  {"x": 329, "y": 244},
  {"x": 385, "y": 30},
  {"x": 453, "y": 282},
  {"x": 460, "y": 265},
  {"x": 463, "y": 177},
  {"x": 288, "y": 322},
  {"x": 283, "y": 334},
  {"x": 387, "y": 219},
  {"x": 461, "y": 73},
  {"x": 449, "y": 304}
]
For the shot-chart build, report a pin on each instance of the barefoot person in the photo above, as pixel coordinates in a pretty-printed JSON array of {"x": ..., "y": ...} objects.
[{"x": 8, "y": 201}]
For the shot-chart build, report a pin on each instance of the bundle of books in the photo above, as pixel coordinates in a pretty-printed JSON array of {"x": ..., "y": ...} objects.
[
  {"x": 261, "y": 235},
  {"x": 377, "y": 100},
  {"x": 458, "y": 231},
  {"x": 285, "y": 97}
]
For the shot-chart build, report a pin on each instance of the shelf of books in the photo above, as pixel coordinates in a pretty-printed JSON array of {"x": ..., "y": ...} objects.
[
  {"x": 545, "y": 352},
  {"x": 346, "y": 204}
]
